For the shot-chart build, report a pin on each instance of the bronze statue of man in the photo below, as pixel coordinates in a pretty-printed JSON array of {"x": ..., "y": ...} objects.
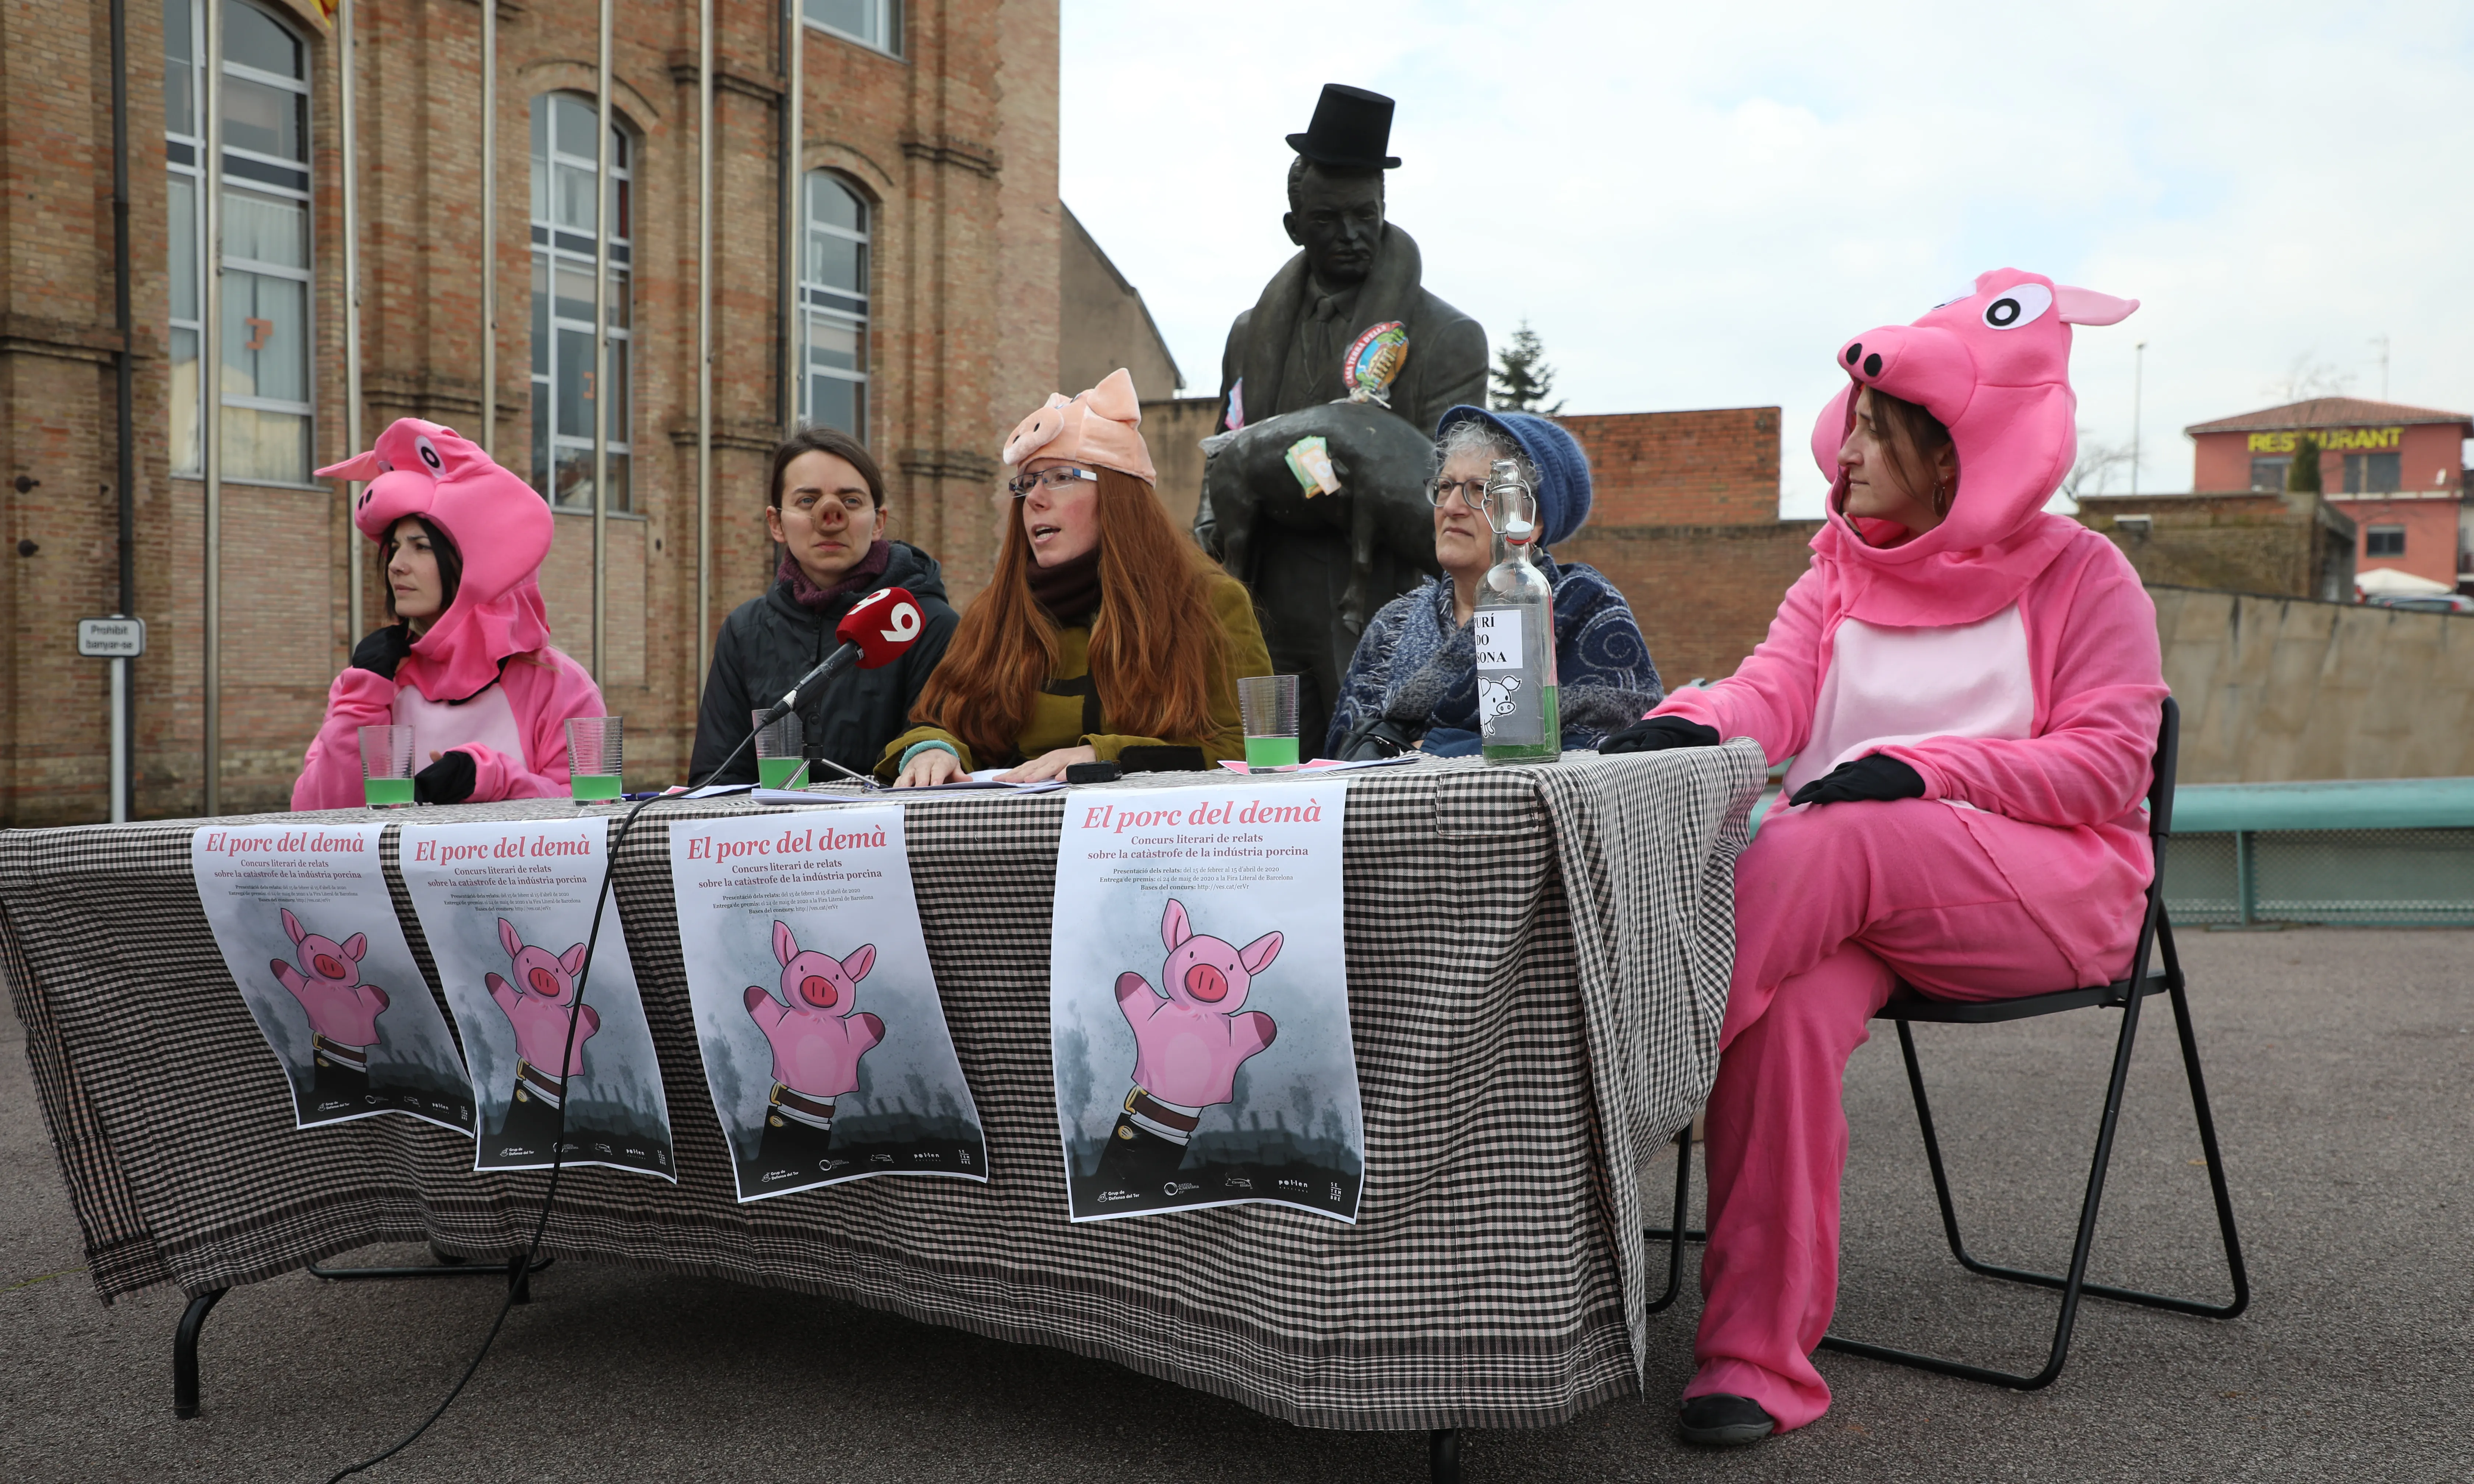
[{"x": 1354, "y": 272}]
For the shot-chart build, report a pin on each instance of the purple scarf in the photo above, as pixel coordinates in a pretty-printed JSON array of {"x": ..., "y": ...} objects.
[{"x": 860, "y": 578}]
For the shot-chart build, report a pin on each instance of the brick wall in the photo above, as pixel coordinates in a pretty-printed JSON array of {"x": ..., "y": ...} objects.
[
  {"x": 2291, "y": 545},
  {"x": 1703, "y": 594},
  {"x": 955, "y": 143},
  {"x": 1682, "y": 469}
]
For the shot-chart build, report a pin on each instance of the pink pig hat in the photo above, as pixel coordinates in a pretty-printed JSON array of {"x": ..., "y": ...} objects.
[
  {"x": 1994, "y": 366},
  {"x": 501, "y": 527},
  {"x": 1101, "y": 428}
]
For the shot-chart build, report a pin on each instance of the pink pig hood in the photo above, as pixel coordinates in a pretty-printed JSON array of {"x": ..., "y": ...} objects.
[
  {"x": 501, "y": 527},
  {"x": 1994, "y": 366}
]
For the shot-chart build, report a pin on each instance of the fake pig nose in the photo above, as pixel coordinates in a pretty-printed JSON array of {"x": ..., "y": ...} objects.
[
  {"x": 544, "y": 983},
  {"x": 1857, "y": 360},
  {"x": 1206, "y": 984},
  {"x": 819, "y": 991},
  {"x": 329, "y": 966}
]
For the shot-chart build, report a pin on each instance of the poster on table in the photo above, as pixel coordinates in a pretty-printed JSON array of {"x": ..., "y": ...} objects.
[
  {"x": 507, "y": 907},
  {"x": 1199, "y": 1001},
  {"x": 309, "y": 930},
  {"x": 824, "y": 1039}
]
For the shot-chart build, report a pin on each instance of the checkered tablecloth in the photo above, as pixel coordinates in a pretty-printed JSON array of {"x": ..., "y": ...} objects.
[{"x": 1537, "y": 962}]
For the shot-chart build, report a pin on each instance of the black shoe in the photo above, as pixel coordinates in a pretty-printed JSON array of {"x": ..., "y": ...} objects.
[{"x": 1721, "y": 1421}]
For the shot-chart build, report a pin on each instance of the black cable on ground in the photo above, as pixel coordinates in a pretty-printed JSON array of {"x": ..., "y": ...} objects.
[{"x": 522, "y": 1266}]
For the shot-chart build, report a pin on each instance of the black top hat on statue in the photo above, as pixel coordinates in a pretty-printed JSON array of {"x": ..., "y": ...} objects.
[{"x": 1352, "y": 130}]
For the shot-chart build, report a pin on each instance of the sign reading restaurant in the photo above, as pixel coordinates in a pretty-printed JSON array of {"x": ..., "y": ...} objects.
[{"x": 2332, "y": 440}]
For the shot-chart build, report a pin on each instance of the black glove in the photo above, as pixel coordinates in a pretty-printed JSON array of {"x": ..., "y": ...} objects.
[
  {"x": 1875, "y": 776},
  {"x": 383, "y": 650},
  {"x": 1378, "y": 736},
  {"x": 447, "y": 780},
  {"x": 1658, "y": 733}
]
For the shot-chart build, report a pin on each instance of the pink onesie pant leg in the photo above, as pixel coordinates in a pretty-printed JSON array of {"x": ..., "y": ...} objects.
[{"x": 1833, "y": 905}]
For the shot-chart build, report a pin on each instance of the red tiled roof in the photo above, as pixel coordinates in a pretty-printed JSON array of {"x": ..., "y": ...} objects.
[{"x": 2329, "y": 412}]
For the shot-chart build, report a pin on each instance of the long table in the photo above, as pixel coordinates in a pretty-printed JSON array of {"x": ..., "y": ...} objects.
[{"x": 1537, "y": 962}]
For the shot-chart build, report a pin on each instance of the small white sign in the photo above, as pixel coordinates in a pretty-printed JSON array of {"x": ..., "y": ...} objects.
[
  {"x": 1497, "y": 634},
  {"x": 111, "y": 639}
]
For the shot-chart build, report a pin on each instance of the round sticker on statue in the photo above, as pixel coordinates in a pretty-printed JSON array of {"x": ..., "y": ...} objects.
[{"x": 1373, "y": 362}]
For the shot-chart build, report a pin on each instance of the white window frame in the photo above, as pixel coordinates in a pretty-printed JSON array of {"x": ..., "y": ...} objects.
[
  {"x": 888, "y": 19},
  {"x": 553, "y": 245},
  {"x": 830, "y": 304},
  {"x": 305, "y": 275}
]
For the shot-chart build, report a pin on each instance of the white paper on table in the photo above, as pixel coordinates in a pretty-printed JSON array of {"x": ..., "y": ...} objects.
[
  {"x": 307, "y": 928},
  {"x": 507, "y": 908},
  {"x": 824, "y": 1039},
  {"x": 1211, "y": 917},
  {"x": 1238, "y": 765}
]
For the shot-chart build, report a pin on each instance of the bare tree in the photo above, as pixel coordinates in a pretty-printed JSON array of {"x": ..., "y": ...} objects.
[
  {"x": 2095, "y": 471},
  {"x": 2310, "y": 377}
]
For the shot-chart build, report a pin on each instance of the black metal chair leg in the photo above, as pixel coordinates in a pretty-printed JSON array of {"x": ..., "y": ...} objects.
[
  {"x": 2073, "y": 1284},
  {"x": 2234, "y": 1264},
  {"x": 2223, "y": 1198},
  {"x": 1675, "y": 1237},
  {"x": 185, "y": 1352},
  {"x": 1444, "y": 1455},
  {"x": 2070, "y": 1286}
]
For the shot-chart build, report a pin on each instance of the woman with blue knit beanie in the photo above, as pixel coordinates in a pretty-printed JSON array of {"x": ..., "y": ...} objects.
[{"x": 1413, "y": 683}]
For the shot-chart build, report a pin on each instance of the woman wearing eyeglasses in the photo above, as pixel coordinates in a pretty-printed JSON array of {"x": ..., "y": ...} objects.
[
  {"x": 1413, "y": 683},
  {"x": 1106, "y": 636}
]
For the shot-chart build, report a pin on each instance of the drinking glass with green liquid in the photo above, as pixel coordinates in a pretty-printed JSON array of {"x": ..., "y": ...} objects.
[
  {"x": 594, "y": 748},
  {"x": 386, "y": 766},
  {"x": 780, "y": 750},
  {"x": 1268, "y": 704}
]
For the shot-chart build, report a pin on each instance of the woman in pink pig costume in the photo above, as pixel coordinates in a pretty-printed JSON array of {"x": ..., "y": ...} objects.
[
  {"x": 1971, "y": 688},
  {"x": 467, "y": 665}
]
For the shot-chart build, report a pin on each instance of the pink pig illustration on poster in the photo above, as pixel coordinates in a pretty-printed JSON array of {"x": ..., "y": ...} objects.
[
  {"x": 551, "y": 1031},
  {"x": 824, "y": 1039},
  {"x": 555, "y": 1031},
  {"x": 343, "y": 1011},
  {"x": 817, "y": 1033},
  {"x": 306, "y": 926},
  {"x": 1233, "y": 1077}
]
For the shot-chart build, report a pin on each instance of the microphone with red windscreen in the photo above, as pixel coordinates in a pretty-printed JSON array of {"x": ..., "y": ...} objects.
[{"x": 875, "y": 633}]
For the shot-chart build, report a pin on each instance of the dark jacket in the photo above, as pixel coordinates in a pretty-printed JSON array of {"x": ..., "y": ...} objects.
[{"x": 768, "y": 642}]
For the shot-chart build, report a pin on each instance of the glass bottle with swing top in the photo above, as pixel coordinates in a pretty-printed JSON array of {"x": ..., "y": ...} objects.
[{"x": 1519, "y": 719}]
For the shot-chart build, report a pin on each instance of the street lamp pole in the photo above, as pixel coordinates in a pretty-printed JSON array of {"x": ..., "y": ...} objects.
[{"x": 2138, "y": 399}]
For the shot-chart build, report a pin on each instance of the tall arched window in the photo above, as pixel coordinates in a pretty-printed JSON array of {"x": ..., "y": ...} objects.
[
  {"x": 564, "y": 227},
  {"x": 832, "y": 307},
  {"x": 265, "y": 336}
]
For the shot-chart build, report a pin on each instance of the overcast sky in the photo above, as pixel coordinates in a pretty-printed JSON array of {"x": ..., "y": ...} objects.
[{"x": 1695, "y": 205}]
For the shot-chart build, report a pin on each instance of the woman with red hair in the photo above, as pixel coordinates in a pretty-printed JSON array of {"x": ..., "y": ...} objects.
[{"x": 1106, "y": 636}]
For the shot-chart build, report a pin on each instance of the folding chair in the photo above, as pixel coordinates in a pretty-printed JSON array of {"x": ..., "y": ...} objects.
[{"x": 1907, "y": 1007}]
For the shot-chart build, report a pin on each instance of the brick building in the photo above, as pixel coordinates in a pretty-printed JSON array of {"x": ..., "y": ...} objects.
[
  {"x": 2396, "y": 472},
  {"x": 2270, "y": 542},
  {"x": 930, "y": 248},
  {"x": 1684, "y": 521}
]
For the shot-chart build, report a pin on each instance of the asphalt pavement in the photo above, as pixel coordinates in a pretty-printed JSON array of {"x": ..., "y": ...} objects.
[{"x": 2341, "y": 1063}]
